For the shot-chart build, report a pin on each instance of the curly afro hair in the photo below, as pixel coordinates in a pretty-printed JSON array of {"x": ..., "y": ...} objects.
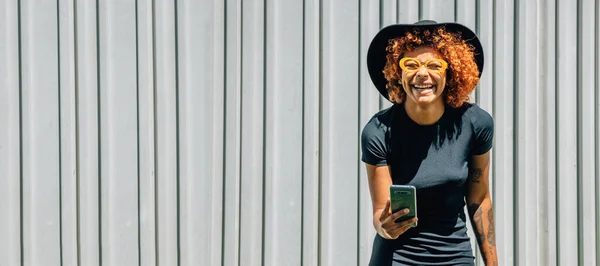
[{"x": 462, "y": 74}]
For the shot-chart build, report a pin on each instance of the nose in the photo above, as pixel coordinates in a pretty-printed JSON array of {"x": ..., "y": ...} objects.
[{"x": 422, "y": 72}]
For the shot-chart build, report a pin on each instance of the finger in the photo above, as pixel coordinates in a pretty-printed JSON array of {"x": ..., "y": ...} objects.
[
  {"x": 397, "y": 232},
  {"x": 405, "y": 224},
  {"x": 386, "y": 210},
  {"x": 400, "y": 228},
  {"x": 408, "y": 223},
  {"x": 399, "y": 214}
]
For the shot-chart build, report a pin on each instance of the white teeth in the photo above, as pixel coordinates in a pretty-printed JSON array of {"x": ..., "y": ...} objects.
[{"x": 422, "y": 86}]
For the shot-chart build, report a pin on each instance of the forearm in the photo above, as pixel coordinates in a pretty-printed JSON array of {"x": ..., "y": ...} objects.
[{"x": 482, "y": 219}]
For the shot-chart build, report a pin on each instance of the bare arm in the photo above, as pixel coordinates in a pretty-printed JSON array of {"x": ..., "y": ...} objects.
[
  {"x": 480, "y": 208},
  {"x": 380, "y": 180}
]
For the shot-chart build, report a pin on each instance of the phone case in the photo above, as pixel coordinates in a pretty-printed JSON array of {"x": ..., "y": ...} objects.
[{"x": 403, "y": 196}]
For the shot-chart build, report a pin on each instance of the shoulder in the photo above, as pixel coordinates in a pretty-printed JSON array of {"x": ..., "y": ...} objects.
[
  {"x": 479, "y": 118},
  {"x": 373, "y": 138},
  {"x": 482, "y": 125},
  {"x": 379, "y": 123}
]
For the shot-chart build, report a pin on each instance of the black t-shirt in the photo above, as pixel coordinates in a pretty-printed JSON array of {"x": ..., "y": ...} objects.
[{"x": 435, "y": 159}]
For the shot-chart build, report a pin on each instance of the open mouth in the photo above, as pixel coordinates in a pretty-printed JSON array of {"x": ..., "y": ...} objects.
[{"x": 421, "y": 87}]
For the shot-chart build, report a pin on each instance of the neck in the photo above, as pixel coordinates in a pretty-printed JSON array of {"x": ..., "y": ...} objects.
[{"x": 424, "y": 114}]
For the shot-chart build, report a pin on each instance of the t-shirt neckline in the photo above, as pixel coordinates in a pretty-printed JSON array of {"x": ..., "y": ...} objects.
[{"x": 405, "y": 115}]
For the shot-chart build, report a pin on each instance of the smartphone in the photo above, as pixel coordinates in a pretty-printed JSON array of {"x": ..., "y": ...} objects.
[{"x": 403, "y": 196}]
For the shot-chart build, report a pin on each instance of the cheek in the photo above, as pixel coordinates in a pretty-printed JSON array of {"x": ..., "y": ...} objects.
[
  {"x": 405, "y": 79},
  {"x": 441, "y": 80}
]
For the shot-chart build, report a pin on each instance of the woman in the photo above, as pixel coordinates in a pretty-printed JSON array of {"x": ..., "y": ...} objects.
[{"x": 433, "y": 139}]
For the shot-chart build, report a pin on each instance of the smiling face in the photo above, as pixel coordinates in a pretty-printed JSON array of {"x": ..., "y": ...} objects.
[{"x": 423, "y": 84}]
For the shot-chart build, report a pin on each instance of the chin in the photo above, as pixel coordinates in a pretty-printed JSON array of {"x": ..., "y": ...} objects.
[{"x": 426, "y": 100}]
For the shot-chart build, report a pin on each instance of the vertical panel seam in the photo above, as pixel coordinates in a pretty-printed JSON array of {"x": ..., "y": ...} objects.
[
  {"x": 239, "y": 127},
  {"x": 579, "y": 135},
  {"x": 224, "y": 164},
  {"x": 303, "y": 150},
  {"x": 477, "y": 93},
  {"x": 264, "y": 134},
  {"x": 77, "y": 163},
  {"x": 380, "y": 101},
  {"x": 516, "y": 53},
  {"x": 597, "y": 121},
  {"x": 137, "y": 103},
  {"x": 493, "y": 88},
  {"x": 596, "y": 151},
  {"x": 358, "y": 220},
  {"x": 420, "y": 9},
  {"x": 380, "y": 12},
  {"x": 320, "y": 156},
  {"x": 456, "y": 9},
  {"x": 477, "y": 16},
  {"x": 177, "y": 132},
  {"x": 60, "y": 157},
  {"x": 556, "y": 129},
  {"x": 155, "y": 134},
  {"x": 381, "y": 9},
  {"x": 396, "y": 11},
  {"x": 99, "y": 123},
  {"x": 21, "y": 177}
]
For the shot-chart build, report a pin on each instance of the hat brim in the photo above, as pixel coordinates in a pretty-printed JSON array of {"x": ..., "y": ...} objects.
[{"x": 376, "y": 55}]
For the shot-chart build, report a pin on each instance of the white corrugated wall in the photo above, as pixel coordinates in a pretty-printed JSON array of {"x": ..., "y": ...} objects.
[{"x": 211, "y": 132}]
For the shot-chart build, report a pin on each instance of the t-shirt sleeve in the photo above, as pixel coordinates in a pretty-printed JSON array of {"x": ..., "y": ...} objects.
[
  {"x": 374, "y": 149},
  {"x": 483, "y": 127}
]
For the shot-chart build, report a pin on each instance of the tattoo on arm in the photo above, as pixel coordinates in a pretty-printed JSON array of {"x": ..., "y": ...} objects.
[
  {"x": 491, "y": 236},
  {"x": 480, "y": 233},
  {"x": 476, "y": 175},
  {"x": 477, "y": 221}
]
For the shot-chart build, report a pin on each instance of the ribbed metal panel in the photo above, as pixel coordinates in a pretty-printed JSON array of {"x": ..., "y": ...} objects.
[
  {"x": 227, "y": 132},
  {"x": 10, "y": 136}
]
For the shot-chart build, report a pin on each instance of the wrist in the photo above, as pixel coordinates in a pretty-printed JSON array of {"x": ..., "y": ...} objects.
[
  {"x": 379, "y": 229},
  {"x": 489, "y": 256}
]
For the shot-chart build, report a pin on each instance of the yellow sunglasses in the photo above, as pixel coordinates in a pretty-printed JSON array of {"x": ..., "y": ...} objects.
[{"x": 434, "y": 65}]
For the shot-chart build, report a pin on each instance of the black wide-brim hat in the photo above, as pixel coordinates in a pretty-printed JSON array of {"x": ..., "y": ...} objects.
[{"x": 376, "y": 56}]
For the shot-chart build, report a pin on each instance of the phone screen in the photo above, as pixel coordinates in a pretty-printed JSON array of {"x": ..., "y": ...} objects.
[{"x": 402, "y": 196}]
